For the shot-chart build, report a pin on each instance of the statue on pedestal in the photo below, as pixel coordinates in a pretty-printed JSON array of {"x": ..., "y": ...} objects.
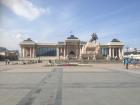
[
  {"x": 91, "y": 49},
  {"x": 94, "y": 37}
]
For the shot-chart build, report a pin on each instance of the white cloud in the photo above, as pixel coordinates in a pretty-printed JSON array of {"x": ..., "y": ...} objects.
[
  {"x": 24, "y": 8},
  {"x": 11, "y": 40}
]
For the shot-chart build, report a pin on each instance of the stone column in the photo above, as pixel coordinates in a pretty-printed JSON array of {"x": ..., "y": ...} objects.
[
  {"x": 113, "y": 52},
  {"x": 110, "y": 52},
  {"x": 23, "y": 52},
  {"x": 30, "y": 52},
  {"x": 120, "y": 54},
  {"x": 57, "y": 52},
  {"x": 33, "y": 52},
  {"x": 64, "y": 52},
  {"x": 26, "y": 52}
]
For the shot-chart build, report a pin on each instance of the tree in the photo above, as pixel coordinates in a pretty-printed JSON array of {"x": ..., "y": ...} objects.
[{"x": 94, "y": 37}]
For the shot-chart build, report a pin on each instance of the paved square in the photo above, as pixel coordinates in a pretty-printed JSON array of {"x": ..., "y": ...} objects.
[{"x": 98, "y": 84}]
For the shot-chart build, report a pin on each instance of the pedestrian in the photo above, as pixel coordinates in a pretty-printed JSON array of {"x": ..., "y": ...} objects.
[
  {"x": 126, "y": 63},
  {"x": 8, "y": 61}
]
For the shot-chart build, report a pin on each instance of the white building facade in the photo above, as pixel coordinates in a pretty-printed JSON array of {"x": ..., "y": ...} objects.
[{"x": 71, "y": 48}]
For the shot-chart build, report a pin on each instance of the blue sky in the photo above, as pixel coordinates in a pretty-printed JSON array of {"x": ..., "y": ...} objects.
[{"x": 52, "y": 20}]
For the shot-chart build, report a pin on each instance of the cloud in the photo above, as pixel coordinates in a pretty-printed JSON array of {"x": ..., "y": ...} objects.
[
  {"x": 24, "y": 8},
  {"x": 11, "y": 40}
]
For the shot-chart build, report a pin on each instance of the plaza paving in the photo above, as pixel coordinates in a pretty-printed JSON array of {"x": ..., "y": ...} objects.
[{"x": 97, "y": 84}]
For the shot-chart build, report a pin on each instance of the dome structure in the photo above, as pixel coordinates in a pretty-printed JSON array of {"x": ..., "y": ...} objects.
[
  {"x": 115, "y": 40},
  {"x": 72, "y": 37},
  {"x": 27, "y": 41}
]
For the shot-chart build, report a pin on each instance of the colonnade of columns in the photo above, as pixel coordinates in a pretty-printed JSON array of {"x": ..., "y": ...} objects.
[
  {"x": 60, "y": 51},
  {"x": 31, "y": 52},
  {"x": 28, "y": 52},
  {"x": 115, "y": 52}
]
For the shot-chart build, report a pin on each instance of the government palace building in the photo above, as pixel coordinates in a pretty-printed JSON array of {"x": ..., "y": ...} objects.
[{"x": 72, "y": 48}]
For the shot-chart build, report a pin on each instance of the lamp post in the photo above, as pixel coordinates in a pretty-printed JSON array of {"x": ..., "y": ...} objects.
[
  {"x": 127, "y": 50},
  {"x": 135, "y": 50},
  {"x": 126, "y": 61}
]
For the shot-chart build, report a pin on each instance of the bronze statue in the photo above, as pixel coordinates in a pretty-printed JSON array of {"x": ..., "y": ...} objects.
[{"x": 94, "y": 37}]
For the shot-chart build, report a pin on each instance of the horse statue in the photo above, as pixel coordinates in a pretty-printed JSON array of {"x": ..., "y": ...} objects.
[{"x": 94, "y": 37}]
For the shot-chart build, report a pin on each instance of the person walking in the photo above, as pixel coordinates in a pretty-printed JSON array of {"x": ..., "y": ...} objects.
[{"x": 126, "y": 63}]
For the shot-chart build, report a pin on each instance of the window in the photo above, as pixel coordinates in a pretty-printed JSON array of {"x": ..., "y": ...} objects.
[{"x": 46, "y": 52}]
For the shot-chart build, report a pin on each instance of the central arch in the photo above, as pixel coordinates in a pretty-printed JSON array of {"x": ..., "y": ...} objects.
[{"x": 72, "y": 55}]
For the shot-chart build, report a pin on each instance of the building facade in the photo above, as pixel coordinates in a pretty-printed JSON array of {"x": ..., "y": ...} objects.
[
  {"x": 8, "y": 54},
  {"x": 71, "y": 48}
]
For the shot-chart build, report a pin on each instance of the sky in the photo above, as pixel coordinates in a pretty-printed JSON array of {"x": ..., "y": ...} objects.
[{"x": 50, "y": 21}]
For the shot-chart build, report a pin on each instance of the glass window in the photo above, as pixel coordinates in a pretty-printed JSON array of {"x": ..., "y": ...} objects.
[{"x": 46, "y": 52}]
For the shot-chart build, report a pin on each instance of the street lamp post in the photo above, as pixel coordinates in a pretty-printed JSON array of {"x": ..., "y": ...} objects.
[
  {"x": 135, "y": 50},
  {"x": 127, "y": 50},
  {"x": 126, "y": 61}
]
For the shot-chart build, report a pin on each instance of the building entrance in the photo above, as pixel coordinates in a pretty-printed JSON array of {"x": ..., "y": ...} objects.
[{"x": 72, "y": 55}]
